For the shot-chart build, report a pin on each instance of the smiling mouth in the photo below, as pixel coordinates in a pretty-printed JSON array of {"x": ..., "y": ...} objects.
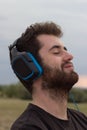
[{"x": 68, "y": 65}]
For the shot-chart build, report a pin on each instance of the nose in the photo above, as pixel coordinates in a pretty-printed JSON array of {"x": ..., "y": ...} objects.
[{"x": 68, "y": 56}]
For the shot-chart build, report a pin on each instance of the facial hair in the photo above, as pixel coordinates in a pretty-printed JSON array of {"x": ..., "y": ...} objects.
[{"x": 57, "y": 80}]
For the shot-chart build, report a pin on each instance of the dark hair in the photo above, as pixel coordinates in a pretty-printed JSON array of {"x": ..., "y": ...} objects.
[{"x": 28, "y": 41}]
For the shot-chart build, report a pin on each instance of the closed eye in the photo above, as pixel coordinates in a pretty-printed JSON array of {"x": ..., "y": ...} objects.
[{"x": 56, "y": 53}]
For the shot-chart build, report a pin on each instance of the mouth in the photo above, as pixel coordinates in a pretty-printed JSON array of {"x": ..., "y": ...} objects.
[{"x": 68, "y": 66}]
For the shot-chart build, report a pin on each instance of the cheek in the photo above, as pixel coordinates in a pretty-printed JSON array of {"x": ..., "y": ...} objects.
[{"x": 53, "y": 62}]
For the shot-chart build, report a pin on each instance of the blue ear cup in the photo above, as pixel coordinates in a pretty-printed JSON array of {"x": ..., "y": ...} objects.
[{"x": 25, "y": 65}]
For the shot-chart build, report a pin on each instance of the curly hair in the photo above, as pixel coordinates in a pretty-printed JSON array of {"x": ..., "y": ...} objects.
[{"x": 28, "y": 42}]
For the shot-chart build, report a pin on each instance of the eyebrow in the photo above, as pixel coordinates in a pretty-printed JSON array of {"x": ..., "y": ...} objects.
[{"x": 56, "y": 46}]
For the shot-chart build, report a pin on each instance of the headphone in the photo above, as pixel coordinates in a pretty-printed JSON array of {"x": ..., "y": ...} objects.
[{"x": 24, "y": 64}]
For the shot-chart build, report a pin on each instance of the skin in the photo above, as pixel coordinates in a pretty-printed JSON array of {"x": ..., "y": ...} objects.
[
  {"x": 53, "y": 54},
  {"x": 53, "y": 51}
]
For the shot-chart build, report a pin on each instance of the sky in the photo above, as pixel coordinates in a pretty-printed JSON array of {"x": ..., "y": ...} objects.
[{"x": 17, "y": 15}]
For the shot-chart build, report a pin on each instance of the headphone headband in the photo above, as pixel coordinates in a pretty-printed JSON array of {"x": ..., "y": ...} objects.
[{"x": 13, "y": 45}]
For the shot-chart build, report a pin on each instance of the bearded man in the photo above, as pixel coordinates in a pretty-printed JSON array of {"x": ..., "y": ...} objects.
[{"x": 44, "y": 66}]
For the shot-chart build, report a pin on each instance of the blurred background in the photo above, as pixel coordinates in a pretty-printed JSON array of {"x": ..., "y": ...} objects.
[{"x": 15, "y": 17}]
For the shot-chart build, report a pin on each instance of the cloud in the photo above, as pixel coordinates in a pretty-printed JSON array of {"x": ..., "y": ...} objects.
[{"x": 16, "y": 15}]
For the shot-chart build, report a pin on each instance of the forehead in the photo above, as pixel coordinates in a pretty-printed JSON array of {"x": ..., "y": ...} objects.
[{"x": 48, "y": 41}]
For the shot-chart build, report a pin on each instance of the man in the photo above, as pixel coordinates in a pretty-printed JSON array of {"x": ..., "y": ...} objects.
[{"x": 44, "y": 66}]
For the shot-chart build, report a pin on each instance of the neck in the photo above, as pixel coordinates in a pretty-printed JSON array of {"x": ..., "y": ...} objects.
[{"x": 51, "y": 103}]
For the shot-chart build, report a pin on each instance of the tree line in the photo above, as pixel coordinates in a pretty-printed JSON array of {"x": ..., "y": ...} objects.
[
  {"x": 14, "y": 91},
  {"x": 18, "y": 91}
]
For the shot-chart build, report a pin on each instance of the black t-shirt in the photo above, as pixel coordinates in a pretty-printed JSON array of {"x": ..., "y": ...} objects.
[{"x": 35, "y": 118}]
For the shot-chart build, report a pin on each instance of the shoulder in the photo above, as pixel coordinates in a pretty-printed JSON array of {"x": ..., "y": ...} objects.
[
  {"x": 27, "y": 128},
  {"x": 29, "y": 120},
  {"x": 77, "y": 114}
]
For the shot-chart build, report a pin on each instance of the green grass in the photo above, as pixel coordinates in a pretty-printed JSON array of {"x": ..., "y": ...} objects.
[
  {"x": 82, "y": 107},
  {"x": 10, "y": 109}
]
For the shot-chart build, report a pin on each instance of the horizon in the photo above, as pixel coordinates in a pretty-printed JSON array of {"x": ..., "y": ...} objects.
[{"x": 71, "y": 15}]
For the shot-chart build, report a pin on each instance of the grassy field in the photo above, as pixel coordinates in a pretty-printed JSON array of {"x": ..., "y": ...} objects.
[{"x": 10, "y": 109}]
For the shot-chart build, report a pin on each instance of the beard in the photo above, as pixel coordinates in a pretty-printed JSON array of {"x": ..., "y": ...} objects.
[{"x": 58, "y": 81}]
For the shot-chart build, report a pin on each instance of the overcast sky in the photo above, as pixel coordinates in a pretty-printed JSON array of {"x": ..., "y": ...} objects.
[{"x": 17, "y": 15}]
